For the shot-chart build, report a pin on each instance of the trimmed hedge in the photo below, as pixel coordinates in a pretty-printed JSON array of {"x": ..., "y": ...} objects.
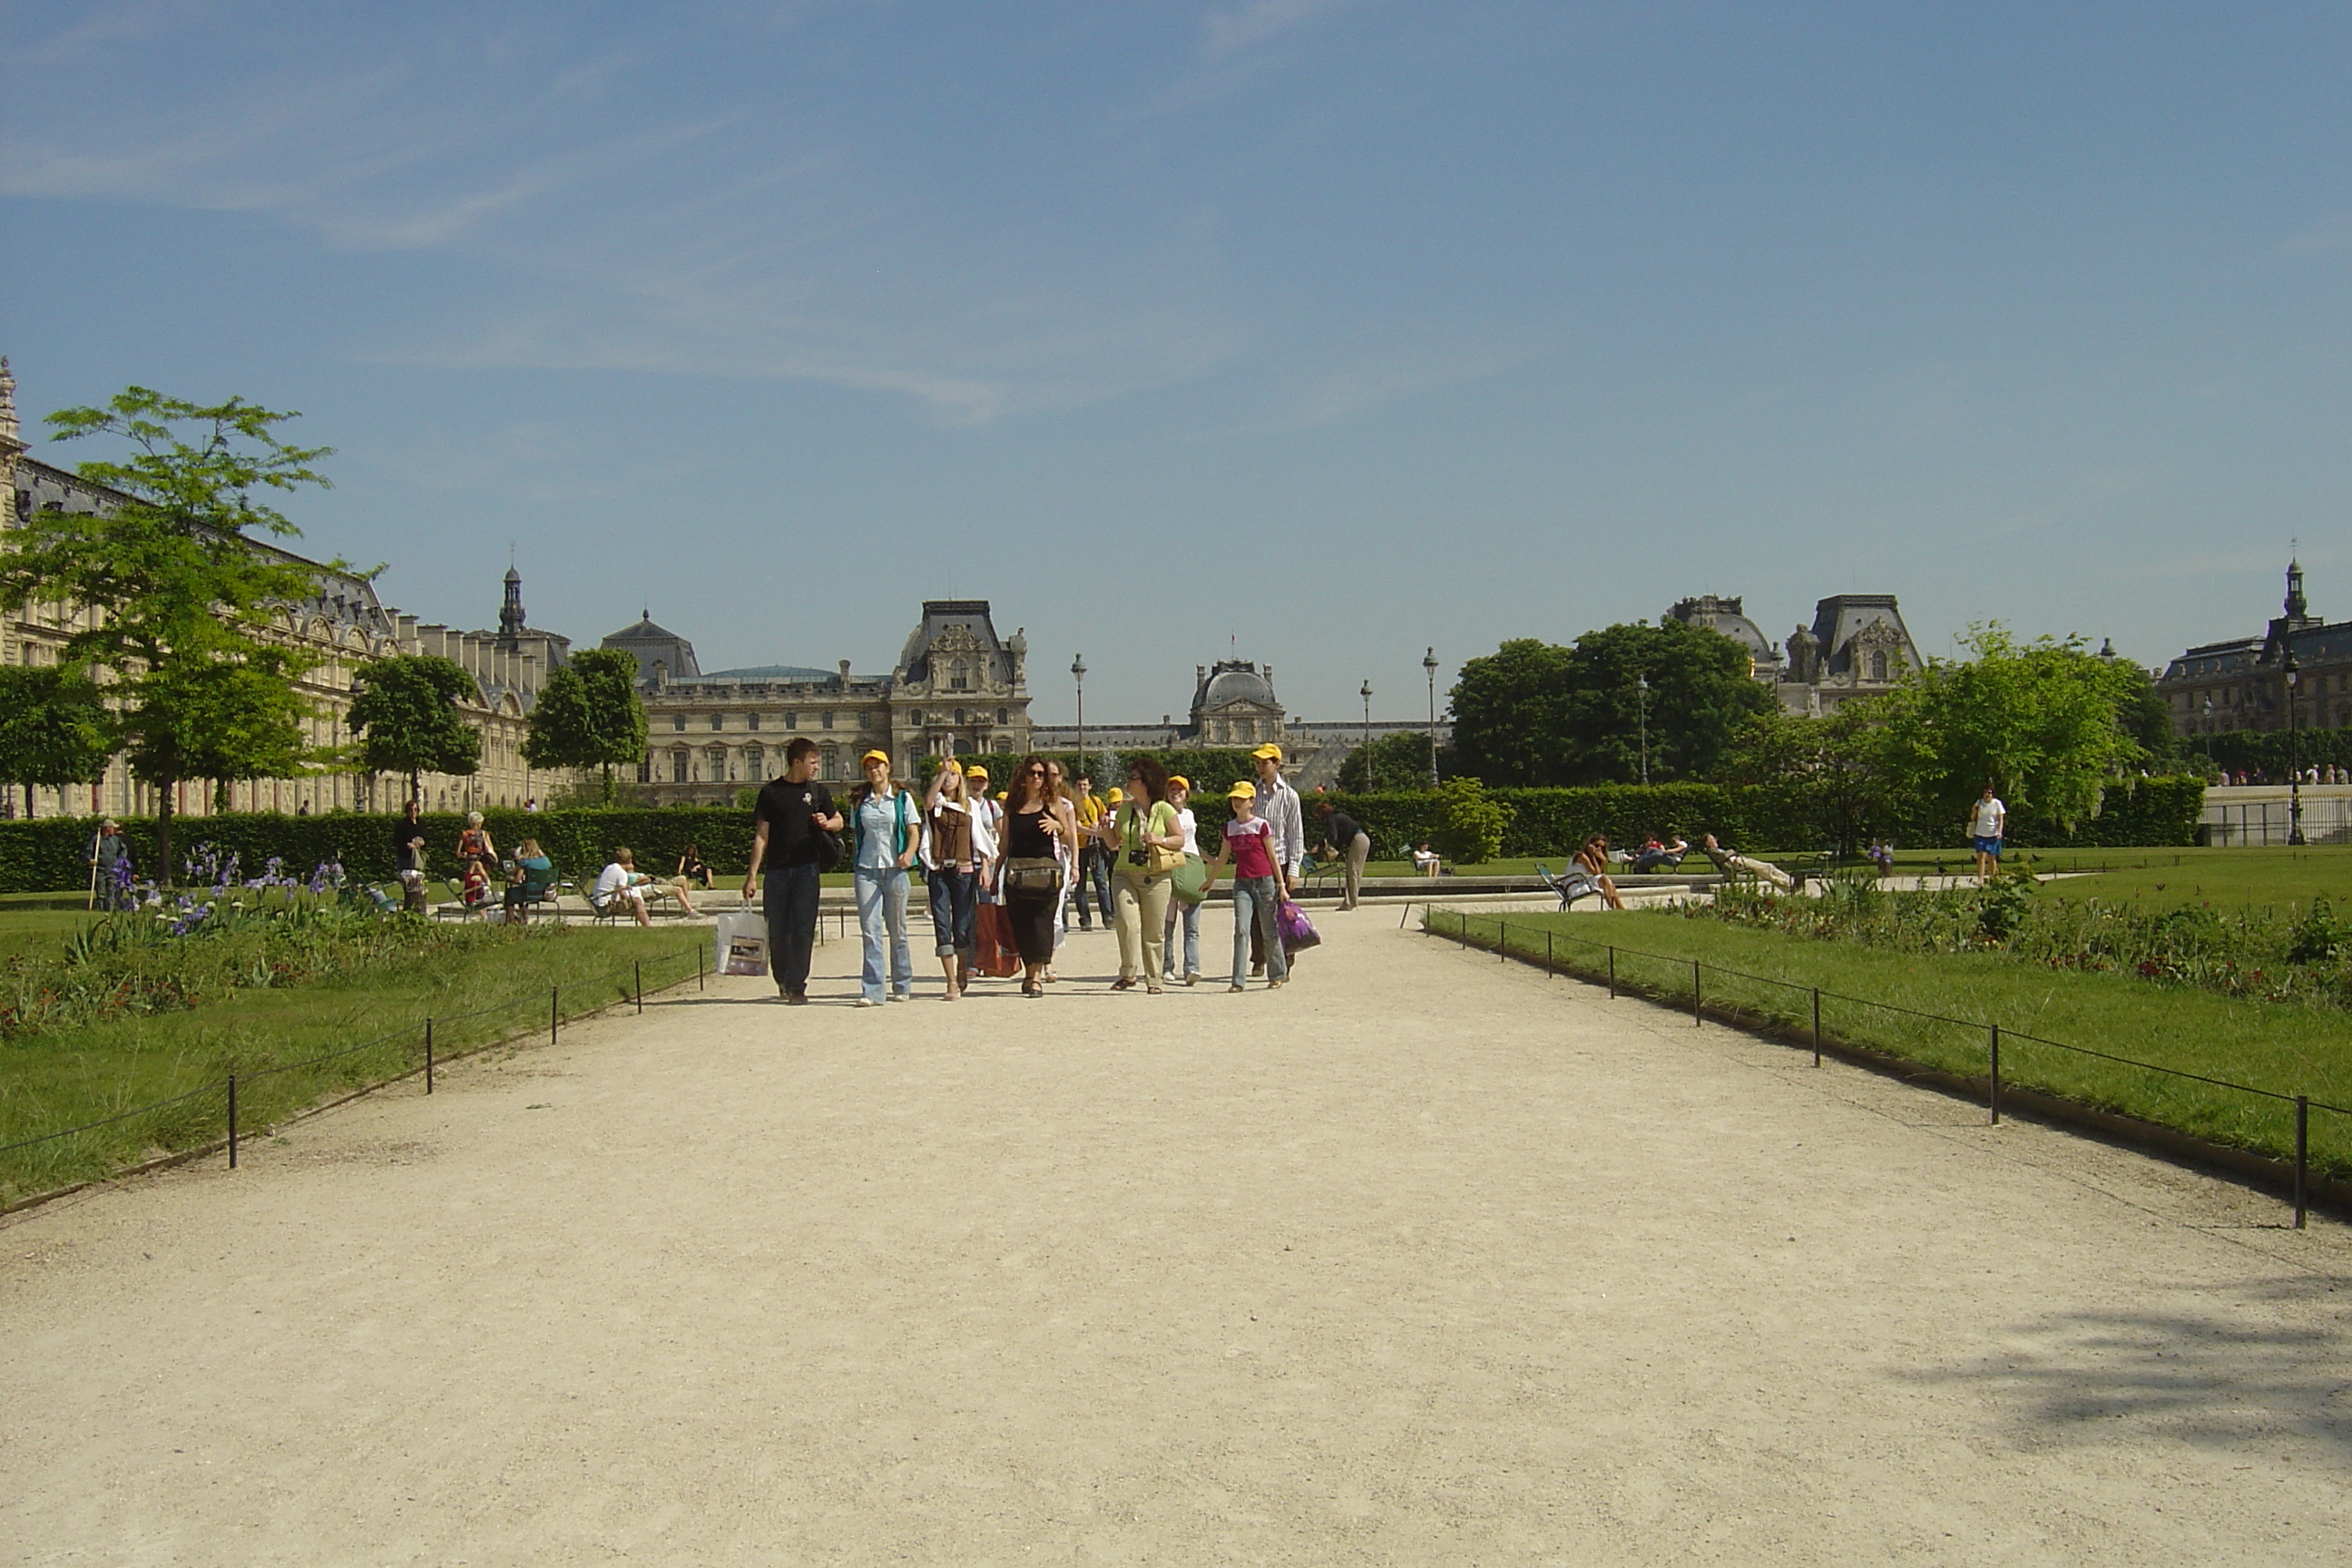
[{"x": 53, "y": 853}]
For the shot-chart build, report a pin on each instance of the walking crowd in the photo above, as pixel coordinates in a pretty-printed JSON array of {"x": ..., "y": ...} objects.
[{"x": 1009, "y": 874}]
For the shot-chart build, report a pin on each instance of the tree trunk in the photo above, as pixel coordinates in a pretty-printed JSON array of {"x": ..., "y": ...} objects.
[
  {"x": 28, "y": 803},
  {"x": 416, "y": 789},
  {"x": 165, "y": 789}
]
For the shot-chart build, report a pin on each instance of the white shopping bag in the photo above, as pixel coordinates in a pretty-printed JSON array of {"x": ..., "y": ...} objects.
[{"x": 743, "y": 942}]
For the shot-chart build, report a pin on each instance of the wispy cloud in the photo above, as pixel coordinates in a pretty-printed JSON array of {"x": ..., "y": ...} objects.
[{"x": 1230, "y": 32}]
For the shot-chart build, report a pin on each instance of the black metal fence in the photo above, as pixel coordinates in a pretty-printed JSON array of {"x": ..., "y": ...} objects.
[
  {"x": 1972, "y": 1046},
  {"x": 427, "y": 1053}
]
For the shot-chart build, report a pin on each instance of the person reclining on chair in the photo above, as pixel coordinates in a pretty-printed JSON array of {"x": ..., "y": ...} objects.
[
  {"x": 1654, "y": 854},
  {"x": 1732, "y": 863},
  {"x": 535, "y": 882},
  {"x": 1593, "y": 861},
  {"x": 622, "y": 887}
]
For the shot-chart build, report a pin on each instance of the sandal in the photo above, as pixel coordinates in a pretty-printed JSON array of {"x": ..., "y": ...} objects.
[
  {"x": 1151, "y": 991},
  {"x": 1125, "y": 983}
]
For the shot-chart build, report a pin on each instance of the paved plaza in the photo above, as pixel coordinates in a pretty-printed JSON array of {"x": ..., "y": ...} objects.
[{"x": 1421, "y": 1260}]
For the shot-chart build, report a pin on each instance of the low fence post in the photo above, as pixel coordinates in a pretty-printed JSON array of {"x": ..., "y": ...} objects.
[
  {"x": 1696, "y": 1019},
  {"x": 232, "y": 1121},
  {"x": 1548, "y": 970},
  {"x": 2302, "y": 1153},
  {"x": 698, "y": 966},
  {"x": 1503, "y": 941},
  {"x": 429, "y": 1056},
  {"x": 1817, "y": 1025},
  {"x": 1613, "y": 973},
  {"x": 639, "y": 966},
  {"x": 554, "y": 1011},
  {"x": 1993, "y": 1097}
]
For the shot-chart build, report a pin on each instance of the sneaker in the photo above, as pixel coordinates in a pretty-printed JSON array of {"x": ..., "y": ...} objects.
[
  {"x": 1236, "y": 985},
  {"x": 1193, "y": 978},
  {"x": 902, "y": 996},
  {"x": 867, "y": 1002}
]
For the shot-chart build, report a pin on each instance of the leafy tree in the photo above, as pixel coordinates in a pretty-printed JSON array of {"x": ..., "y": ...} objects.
[
  {"x": 1397, "y": 760},
  {"x": 1838, "y": 761},
  {"x": 55, "y": 728},
  {"x": 589, "y": 715},
  {"x": 1531, "y": 714},
  {"x": 180, "y": 584},
  {"x": 408, "y": 721},
  {"x": 2146, "y": 716},
  {"x": 2043, "y": 720}
]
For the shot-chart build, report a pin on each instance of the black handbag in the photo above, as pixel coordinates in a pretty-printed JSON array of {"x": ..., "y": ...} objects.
[{"x": 1033, "y": 877}]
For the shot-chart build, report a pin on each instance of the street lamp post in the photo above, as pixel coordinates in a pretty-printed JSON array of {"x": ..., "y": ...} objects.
[
  {"x": 2293, "y": 760},
  {"x": 2208, "y": 731},
  {"x": 1429, "y": 665},
  {"x": 1641, "y": 691},
  {"x": 1078, "y": 673},
  {"x": 1367, "y": 695}
]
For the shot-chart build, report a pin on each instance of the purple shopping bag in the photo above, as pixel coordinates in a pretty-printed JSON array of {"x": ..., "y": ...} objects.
[{"x": 1298, "y": 932}]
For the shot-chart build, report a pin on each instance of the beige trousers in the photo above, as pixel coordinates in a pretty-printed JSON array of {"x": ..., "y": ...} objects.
[{"x": 1139, "y": 904}]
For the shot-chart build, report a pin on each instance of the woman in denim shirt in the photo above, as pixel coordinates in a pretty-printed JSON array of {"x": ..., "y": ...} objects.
[{"x": 887, "y": 832}]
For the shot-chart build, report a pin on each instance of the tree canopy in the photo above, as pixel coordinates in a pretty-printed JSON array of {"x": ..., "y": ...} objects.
[
  {"x": 407, "y": 718},
  {"x": 1536, "y": 714},
  {"x": 2043, "y": 720},
  {"x": 182, "y": 587},
  {"x": 1399, "y": 760},
  {"x": 589, "y": 715},
  {"x": 55, "y": 728}
]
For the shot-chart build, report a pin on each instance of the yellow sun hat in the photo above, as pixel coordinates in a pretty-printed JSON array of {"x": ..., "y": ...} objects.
[
  {"x": 976, "y": 772},
  {"x": 1242, "y": 790},
  {"x": 1178, "y": 781},
  {"x": 1116, "y": 796},
  {"x": 877, "y": 756}
]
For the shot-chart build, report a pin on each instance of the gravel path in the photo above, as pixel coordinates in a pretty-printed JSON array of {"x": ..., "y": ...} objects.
[{"x": 1421, "y": 1260}]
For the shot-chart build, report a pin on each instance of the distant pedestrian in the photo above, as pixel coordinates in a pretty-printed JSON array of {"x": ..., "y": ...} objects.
[
  {"x": 1278, "y": 807},
  {"x": 1987, "y": 822},
  {"x": 951, "y": 865},
  {"x": 408, "y": 856},
  {"x": 1148, "y": 843},
  {"x": 1183, "y": 911},
  {"x": 791, "y": 825},
  {"x": 1259, "y": 886},
  {"x": 1094, "y": 866},
  {"x": 885, "y": 828},
  {"x": 1031, "y": 874},
  {"x": 1350, "y": 843},
  {"x": 110, "y": 868}
]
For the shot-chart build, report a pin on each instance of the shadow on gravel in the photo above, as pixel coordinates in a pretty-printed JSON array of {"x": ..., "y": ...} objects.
[{"x": 2200, "y": 1373}]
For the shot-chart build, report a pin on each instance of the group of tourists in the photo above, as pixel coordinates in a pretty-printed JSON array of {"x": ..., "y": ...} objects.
[{"x": 1027, "y": 859}]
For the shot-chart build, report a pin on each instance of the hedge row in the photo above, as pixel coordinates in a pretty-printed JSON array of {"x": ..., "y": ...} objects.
[{"x": 53, "y": 853}]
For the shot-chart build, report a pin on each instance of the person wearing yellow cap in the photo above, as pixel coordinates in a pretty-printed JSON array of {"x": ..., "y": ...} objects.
[
  {"x": 1180, "y": 908},
  {"x": 886, "y": 831},
  {"x": 1278, "y": 808},
  {"x": 1259, "y": 886},
  {"x": 1094, "y": 864}
]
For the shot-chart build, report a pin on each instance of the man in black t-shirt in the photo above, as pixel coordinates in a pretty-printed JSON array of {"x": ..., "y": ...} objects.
[
  {"x": 408, "y": 856},
  {"x": 785, "y": 844}
]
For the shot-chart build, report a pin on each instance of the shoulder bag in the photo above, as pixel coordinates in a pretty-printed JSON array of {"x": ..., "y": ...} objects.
[{"x": 1158, "y": 862}]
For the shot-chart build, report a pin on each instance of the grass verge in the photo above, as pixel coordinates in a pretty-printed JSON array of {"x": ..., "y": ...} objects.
[
  {"x": 1936, "y": 1009},
  {"x": 292, "y": 1047}
]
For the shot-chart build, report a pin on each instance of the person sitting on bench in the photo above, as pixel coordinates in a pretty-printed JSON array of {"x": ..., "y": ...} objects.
[
  {"x": 622, "y": 887},
  {"x": 533, "y": 882}
]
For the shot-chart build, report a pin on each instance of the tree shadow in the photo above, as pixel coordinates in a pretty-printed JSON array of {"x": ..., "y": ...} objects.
[{"x": 2263, "y": 1358}]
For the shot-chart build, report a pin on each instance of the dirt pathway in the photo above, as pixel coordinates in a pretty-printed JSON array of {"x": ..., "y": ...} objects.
[{"x": 1421, "y": 1260}]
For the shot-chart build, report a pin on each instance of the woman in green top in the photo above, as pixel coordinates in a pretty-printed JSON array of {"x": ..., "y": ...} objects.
[{"x": 1146, "y": 842}]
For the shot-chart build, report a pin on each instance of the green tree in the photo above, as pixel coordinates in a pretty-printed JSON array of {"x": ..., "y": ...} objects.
[
  {"x": 2043, "y": 720},
  {"x": 1837, "y": 764},
  {"x": 1398, "y": 760},
  {"x": 180, "y": 585},
  {"x": 408, "y": 721},
  {"x": 55, "y": 728},
  {"x": 588, "y": 715},
  {"x": 1531, "y": 714}
]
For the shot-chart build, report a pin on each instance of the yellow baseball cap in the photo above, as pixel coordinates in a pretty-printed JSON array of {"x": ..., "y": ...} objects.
[
  {"x": 1178, "y": 781},
  {"x": 882, "y": 757},
  {"x": 976, "y": 772},
  {"x": 1243, "y": 790},
  {"x": 1116, "y": 796},
  {"x": 1268, "y": 750},
  {"x": 1005, "y": 794}
]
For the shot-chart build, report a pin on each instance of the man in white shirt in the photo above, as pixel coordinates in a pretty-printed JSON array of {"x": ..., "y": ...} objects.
[
  {"x": 1277, "y": 803},
  {"x": 620, "y": 886},
  {"x": 1988, "y": 819}
]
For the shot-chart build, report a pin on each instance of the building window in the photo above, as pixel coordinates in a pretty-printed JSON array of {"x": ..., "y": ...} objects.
[
  {"x": 678, "y": 722},
  {"x": 718, "y": 755},
  {"x": 959, "y": 718},
  {"x": 1003, "y": 717},
  {"x": 755, "y": 763},
  {"x": 960, "y": 679},
  {"x": 677, "y": 765},
  {"x": 719, "y": 720},
  {"x": 1878, "y": 667},
  {"x": 831, "y": 761},
  {"x": 751, "y": 721},
  {"x": 792, "y": 720},
  {"x": 828, "y": 724},
  {"x": 866, "y": 721}
]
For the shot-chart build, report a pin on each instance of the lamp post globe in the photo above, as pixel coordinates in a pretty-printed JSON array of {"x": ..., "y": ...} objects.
[{"x": 1428, "y": 665}]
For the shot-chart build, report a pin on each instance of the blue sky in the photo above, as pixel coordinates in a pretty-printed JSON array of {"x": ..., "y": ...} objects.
[{"x": 1339, "y": 328}]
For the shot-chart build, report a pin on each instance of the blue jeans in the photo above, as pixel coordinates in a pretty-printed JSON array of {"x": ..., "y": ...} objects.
[
  {"x": 1255, "y": 904},
  {"x": 1190, "y": 915},
  {"x": 882, "y": 903},
  {"x": 789, "y": 900},
  {"x": 1094, "y": 871},
  {"x": 955, "y": 899}
]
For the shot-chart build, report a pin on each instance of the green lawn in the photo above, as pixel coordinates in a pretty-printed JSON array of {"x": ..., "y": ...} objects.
[
  {"x": 1770, "y": 977},
  {"x": 53, "y": 1081}
]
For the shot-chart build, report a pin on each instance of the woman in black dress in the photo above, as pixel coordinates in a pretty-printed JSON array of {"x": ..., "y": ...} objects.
[{"x": 1029, "y": 874}]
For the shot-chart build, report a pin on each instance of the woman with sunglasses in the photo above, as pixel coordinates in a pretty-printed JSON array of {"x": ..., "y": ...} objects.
[{"x": 1029, "y": 875}]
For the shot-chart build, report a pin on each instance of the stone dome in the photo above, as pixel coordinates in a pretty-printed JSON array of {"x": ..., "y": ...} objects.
[{"x": 1238, "y": 686}]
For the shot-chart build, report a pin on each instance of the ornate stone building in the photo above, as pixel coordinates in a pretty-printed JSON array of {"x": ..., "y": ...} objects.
[
  {"x": 2241, "y": 684},
  {"x": 958, "y": 688},
  {"x": 1856, "y": 646},
  {"x": 343, "y": 626}
]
